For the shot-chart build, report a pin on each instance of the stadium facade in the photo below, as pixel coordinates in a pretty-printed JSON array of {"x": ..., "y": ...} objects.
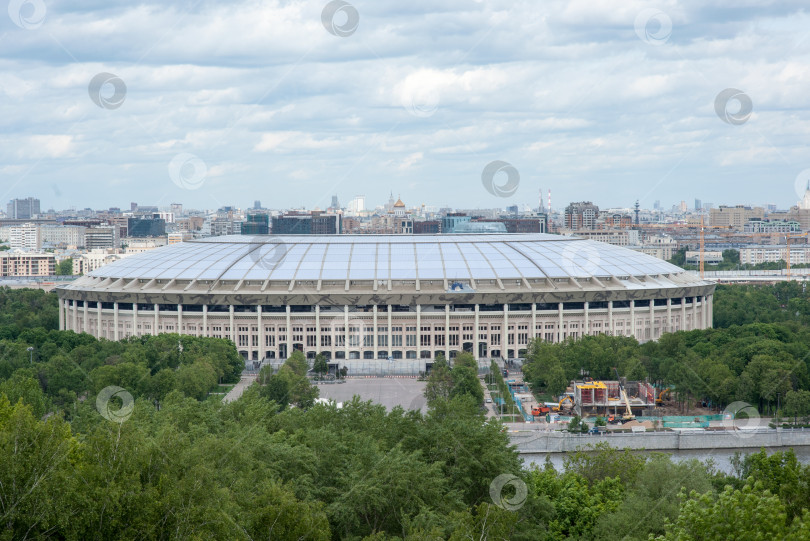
[{"x": 387, "y": 296}]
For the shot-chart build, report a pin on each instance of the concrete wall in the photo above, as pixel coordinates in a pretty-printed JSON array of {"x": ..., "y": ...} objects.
[{"x": 529, "y": 442}]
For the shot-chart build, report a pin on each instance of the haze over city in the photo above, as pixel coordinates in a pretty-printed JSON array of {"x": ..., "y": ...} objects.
[{"x": 288, "y": 103}]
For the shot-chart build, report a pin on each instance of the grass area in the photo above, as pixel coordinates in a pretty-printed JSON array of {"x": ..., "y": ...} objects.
[{"x": 225, "y": 387}]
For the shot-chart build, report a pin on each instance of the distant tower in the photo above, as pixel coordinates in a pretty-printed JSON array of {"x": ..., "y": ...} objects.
[
  {"x": 335, "y": 203},
  {"x": 636, "y": 211},
  {"x": 540, "y": 209},
  {"x": 549, "y": 200}
]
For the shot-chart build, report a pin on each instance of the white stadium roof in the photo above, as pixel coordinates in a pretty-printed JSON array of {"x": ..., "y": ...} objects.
[{"x": 386, "y": 257}]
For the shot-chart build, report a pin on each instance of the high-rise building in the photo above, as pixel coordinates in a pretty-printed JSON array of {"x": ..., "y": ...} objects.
[
  {"x": 698, "y": 204},
  {"x": 314, "y": 223},
  {"x": 26, "y": 264},
  {"x": 581, "y": 215},
  {"x": 26, "y": 237},
  {"x": 453, "y": 220},
  {"x": 146, "y": 227},
  {"x": 735, "y": 217},
  {"x": 23, "y": 209},
  {"x": 101, "y": 237},
  {"x": 256, "y": 224}
]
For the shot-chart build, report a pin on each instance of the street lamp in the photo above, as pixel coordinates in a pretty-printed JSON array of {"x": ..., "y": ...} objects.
[{"x": 31, "y": 355}]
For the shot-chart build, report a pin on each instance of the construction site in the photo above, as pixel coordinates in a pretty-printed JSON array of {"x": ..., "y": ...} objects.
[{"x": 617, "y": 400}]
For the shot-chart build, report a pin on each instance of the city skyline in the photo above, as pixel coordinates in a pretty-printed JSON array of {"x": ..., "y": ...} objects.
[{"x": 611, "y": 102}]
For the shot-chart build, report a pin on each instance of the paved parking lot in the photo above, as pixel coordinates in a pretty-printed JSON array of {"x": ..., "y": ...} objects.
[{"x": 389, "y": 392}]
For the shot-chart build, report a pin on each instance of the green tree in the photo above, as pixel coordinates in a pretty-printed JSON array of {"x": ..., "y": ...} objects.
[
  {"x": 747, "y": 514},
  {"x": 22, "y": 387},
  {"x": 320, "y": 366},
  {"x": 797, "y": 405},
  {"x": 65, "y": 267},
  {"x": 465, "y": 382},
  {"x": 440, "y": 381}
]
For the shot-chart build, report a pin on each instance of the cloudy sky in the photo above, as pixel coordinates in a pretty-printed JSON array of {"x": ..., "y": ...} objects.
[{"x": 220, "y": 103}]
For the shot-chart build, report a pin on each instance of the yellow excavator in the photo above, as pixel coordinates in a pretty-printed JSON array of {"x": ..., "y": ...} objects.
[
  {"x": 559, "y": 406},
  {"x": 663, "y": 395},
  {"x": 628, "y": 416}
]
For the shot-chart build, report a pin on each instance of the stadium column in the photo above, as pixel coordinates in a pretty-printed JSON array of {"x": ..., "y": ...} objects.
[
  {"x": 205, "y": 320},
  {"x": 505, "y": 333},
  {"x": 475, "y": 350},
  {"x": 98, "y": 319},
  {"x": 669, "y": 314},
  {"x": 683, "y": 314},
  {"x": 703, "y": 313},
  {"x": 179, "y": 319},
  {"x": 610, "y": 319},
  {"x": 418, "y": 331},
  {"x": 559, "y": 322},
  {"x": 374, "y": 331},
  {"x": 447, "y": 331},
  {"x": 318, "y": 342},
  {"x": 75, "y": 316},
  {"x": 85, "y": 323},
  {"x": 534, "y": 321},
  {"x": 115, "y": 321},
  {"x": 232, "y": 329},
  {"x": 390, "y": 334},
  {"x": 260, "y": 328},
  {"x": 157, "y": 320},
  {"x": 633, "y": 318},
  {"x": 710, "y": 308},
  {"x": 345, "y": 329},
  {"x": 289, "y": 332},
  {"x": 652, "y": 319},
  {"x": 62, "y": 304},
  {"x": 134, "y": 319},
  {"x": 587, "y": 328}
]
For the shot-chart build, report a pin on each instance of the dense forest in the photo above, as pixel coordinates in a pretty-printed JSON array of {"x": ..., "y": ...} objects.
[{"x": 274, "y": 464}]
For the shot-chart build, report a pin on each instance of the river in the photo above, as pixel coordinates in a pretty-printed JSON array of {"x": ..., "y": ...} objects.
[{"x": 720, "y": 457}]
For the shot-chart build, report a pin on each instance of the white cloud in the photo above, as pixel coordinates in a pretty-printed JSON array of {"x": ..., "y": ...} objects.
[{"x": 564, "y": 89}]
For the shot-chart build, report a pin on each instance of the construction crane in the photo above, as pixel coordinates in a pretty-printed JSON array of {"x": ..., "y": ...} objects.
[
  {"x": 788, "y": 236},
  {"x": 701, "y": 254},
  {"x": 629, "y": 415}
]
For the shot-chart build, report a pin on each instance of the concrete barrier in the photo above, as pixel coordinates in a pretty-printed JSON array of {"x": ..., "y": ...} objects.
[{"x": 535, "y": 441}]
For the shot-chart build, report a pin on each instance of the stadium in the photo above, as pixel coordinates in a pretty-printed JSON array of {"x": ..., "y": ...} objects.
[{"x": 387, "y": 296}]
